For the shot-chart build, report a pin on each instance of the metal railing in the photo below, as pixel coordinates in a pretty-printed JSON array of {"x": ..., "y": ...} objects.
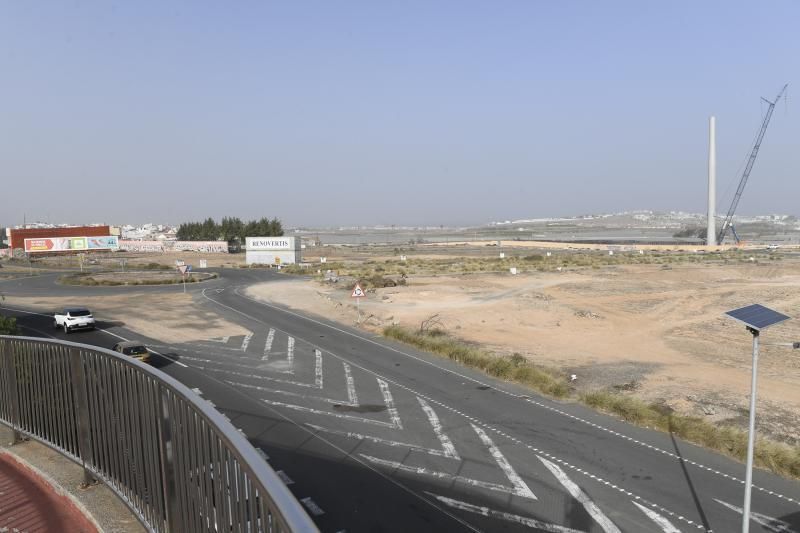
[{"x": 177, "y": 463}]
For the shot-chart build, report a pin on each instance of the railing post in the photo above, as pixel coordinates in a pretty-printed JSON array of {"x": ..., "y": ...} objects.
[
  {"x": 78, "y": 373},
  {"x": 167, "y": 444},
  {"x": 7, "y": 360}
]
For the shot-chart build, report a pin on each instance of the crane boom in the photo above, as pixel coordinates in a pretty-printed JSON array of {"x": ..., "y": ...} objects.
[{"x": 748, "y": 168}]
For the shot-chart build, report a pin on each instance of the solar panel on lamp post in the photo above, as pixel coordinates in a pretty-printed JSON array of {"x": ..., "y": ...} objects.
[{"x": 755, "y": 317}]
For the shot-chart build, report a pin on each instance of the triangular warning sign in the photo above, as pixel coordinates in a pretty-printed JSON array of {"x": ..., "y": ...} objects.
[{"x": 358, "y": 292}]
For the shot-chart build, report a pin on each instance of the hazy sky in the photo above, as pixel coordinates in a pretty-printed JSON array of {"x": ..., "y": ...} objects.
[{"x": 386, "y": 112}]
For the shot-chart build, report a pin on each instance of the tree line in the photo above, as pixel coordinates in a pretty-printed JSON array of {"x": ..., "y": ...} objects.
[{"x": 231, "y": 229}]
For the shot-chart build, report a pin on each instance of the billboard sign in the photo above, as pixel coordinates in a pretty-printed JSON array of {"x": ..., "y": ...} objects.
[
  {"x": 103, "y": 243},
  {"x": 70, "y": 244},
  {"x": 256, "y": 244}
]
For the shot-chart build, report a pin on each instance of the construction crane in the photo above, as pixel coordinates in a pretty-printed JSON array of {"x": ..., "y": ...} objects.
[{"x": 728, "y": 222}]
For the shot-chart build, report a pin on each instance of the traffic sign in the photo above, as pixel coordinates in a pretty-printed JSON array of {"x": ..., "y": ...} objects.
[
  {"x": 358, "y": 292},
  {"x": 183, "y": 269}
]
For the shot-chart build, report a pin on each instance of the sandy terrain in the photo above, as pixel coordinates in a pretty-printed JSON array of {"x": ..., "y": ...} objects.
[
  {"x": 655, "y": 331},
  {"x": 170, "y": 318}
]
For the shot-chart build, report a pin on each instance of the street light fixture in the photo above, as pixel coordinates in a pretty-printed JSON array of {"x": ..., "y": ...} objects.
[{"x": 755, "y": 317}]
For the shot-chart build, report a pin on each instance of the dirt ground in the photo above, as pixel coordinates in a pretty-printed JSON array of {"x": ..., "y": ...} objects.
[{"x": 654, "y": 331}]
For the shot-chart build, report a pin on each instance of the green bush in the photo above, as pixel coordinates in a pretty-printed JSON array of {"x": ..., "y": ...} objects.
[{"x": 8, "y": 325}]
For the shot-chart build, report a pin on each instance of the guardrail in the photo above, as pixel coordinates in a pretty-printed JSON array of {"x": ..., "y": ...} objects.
[{"x": 176, "y": 462}]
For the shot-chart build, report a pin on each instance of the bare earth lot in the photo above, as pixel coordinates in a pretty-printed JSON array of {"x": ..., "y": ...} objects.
[{"x": 654, "y": 331}]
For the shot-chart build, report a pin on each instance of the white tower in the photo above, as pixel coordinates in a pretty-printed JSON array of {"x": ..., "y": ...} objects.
[{"x": 711, "y": 235}]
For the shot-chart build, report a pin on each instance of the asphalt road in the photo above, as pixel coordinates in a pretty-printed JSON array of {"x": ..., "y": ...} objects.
[{"x": 371, "y": 435}]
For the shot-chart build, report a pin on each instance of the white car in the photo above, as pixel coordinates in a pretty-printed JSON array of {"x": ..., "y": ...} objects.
[{"x": 74, "y": 318}]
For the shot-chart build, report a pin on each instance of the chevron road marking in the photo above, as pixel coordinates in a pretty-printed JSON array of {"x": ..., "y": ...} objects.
[
  {"x": 447, "y": 444},
  {"x": 352, "y": 397},
  {"x": 389, "y": 401},
  {"x": 491, "y": 513},
  {"x": 577, "y": 493},
  {"x": 394, "y": 416},
  {"x": 379, "y": 440},
  {"x": 221, "y": 340},
  {"x": 246, "y": 341},
  {"x": 290, "y": 350},
  {"x": 351, "y": 386},
  {"x": 662, "y": 522},
  {"x": 518, "y": 488},
  {"x": 448, "y": 450},
  {"x": 328, "y": 413},
  {"x": 771, "y": 524},
  {"x": 262, "y": 368},
  {"x": 268, "y": 344}
]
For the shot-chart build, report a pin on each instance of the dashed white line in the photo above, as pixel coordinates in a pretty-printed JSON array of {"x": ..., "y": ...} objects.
[
  {"x": 577, "y": 493},
  {"x": 660, "y": 521},
  {"x": 491, "y": 513}
]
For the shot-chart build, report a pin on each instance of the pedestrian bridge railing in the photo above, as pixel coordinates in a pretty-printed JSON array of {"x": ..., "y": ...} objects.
[{"x": 177, "y": 463}]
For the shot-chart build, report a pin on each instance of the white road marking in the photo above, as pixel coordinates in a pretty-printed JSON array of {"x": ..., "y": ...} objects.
[
  {"x": 328, "y": 413},
  {"x": 351, "y": 387},
  {"x": 238, "y": 384},
  {"x": 251, "y": 375},
  {"x": 221, "y": 340},
  {"x": 237, "y": 365},
  {"x": 491, "y": 513},
  {"x": 284, "y": 477},
  {"x": 389, "y": 401},
  {"x": 476, "y": 420},
  {"x": 660, "y": 521},
  {"x": 290, "y": 350},
  {"x": 502, "y": 391},
  {"x": 772, "y": 524},
  {"x": 317, "y": 367},
  {"x": 268, "y": 344},
  {"x": 450, "y": 478},
  {"x": 577, "y": 493},
  {"x": 312, "y": 507},
  {"x": 433, "y": 418},
  {"x": 378, "y": 440},
  {"x": 246, "y": 341},
  {"x": 518, "y": 488},
  {"x": 521, "y": 488}
]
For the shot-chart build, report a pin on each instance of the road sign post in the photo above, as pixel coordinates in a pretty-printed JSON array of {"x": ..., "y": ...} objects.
[
  {"x": 183, "y": 269},
  {"x": 358, "y": 293}
]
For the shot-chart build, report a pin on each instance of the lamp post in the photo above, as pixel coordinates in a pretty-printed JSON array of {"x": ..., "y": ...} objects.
[{"x": 755, "y": 317}]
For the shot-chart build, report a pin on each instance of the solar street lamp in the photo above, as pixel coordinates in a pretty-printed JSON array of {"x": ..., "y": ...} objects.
[{"x": 755, "y": 317}]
